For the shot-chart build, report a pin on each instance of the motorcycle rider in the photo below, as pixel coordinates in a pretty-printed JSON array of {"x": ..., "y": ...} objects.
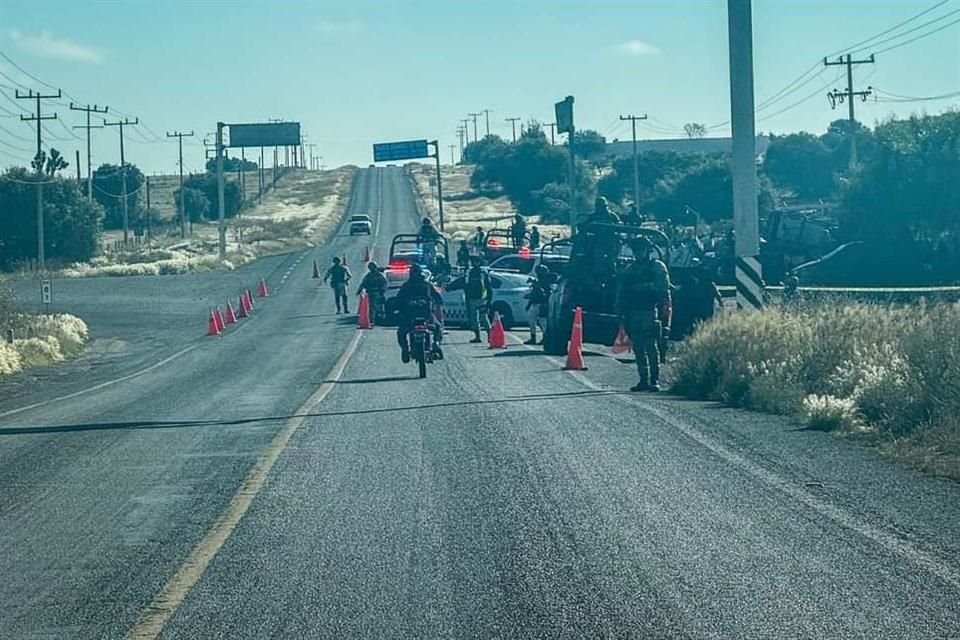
[
  {"x": 339, "y": 275},
  {"x": 375, "y": 284},
  {"x": 418, "y": 297},
  {"x": 643, "y": 289}
]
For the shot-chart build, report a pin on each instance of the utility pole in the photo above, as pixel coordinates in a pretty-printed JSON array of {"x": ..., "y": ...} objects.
[
  {"x": 487, "y": 113},
  {"x": 553, "y": 128},
  {"x": 460, "y": 136},
  {"x": 475, "y": 116},
  {"x": 88, "y": 109},
  {"x": 452, "y": 147},
  {"x": 79, "y": 177},
  {"x": 513, "y": 123},
  {"x": 466, "y": 130},
  {"x": 221, "y": 218},
  {"x": 260, "y": 177},
  {"x": 148, "y": 211},
  {"x": 636, "y": 171},
  {"x": 839, "y": 96},
  {"x": 436, "y": 155},
  {"x": 123, "y": 174},
  {"x": 313, "y": 160},
  {"x": 38, "y": 161},
  {"x": 744, "y": 157},
  {"x": 183, "y": 214}
]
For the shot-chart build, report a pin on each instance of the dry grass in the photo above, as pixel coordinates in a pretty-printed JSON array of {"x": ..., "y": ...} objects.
[
  {"x": 464, "y": 210},
  {"x": 38, "y": 339},
  {"x": 891, "y": 373},
  {"x": 301, "y": 211}
]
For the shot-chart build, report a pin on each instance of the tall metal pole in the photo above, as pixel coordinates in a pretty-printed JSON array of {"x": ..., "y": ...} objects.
[
  {"x": 260, "y": 177},
  {"x": 487, "y": 112},
  {"x": 221, "y": 218},
  {"x": 513, "y": 124},
  {"x": 436, "y": 144},
  {"x": 475, "y": 116},
  {"x": 745, "y": 216}
]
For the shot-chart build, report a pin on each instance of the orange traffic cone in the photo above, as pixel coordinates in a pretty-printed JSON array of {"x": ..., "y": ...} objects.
[
  {"x": 496, "y": 337},
  {"x": 575, "y": 351},
  {"x": 213, "y": 329},
  {"x": 622, "y": 344},
  {"x": 363, "y": 312},
  {"x": 262, "y": 289},
  {"x": 249, "y": 301},
  {"x": 243, "y": 313},
  {"x": 219, "y": 317},
  {"x": 316, "y": 270},
  {"x": 231, "y": 317}
]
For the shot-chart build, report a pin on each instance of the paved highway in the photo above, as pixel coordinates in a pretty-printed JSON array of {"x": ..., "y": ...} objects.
[{"x": 293, "y": 480}]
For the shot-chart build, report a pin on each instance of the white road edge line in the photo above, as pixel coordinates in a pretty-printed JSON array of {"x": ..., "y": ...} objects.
[
  {"x": 889, "y": 542},
  {"x": 166, "y": 603},
  {"x": 102, "y": 385}
]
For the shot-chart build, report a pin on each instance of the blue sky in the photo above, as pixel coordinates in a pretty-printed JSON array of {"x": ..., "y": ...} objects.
[{"x": 359, "y": 72}]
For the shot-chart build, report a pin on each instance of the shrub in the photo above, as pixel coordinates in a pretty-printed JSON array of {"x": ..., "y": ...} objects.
[{"x": 829, "y": 413}]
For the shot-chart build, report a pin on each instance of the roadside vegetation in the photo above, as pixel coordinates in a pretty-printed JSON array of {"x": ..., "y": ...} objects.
[
  {"x": 887, "y": 375},
  {"x": 84, "y": 238},
  {"x": 38, "y": 340}
]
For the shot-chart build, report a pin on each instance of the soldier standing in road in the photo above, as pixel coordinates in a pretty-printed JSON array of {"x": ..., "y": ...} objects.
[
  {"x": 537, "y": 301},
  {"x": 463, "y": 255},
  {"x": 339, "y": 275},
  {"x": 476, "y": 294},
  {"x": 479, "y": 242},
  {"x": 643, "y": 288},
  {"x": 518, "y": 231}
]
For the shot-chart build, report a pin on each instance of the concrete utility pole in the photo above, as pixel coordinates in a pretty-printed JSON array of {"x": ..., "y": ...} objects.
[
  {"x": 466, "y": 130},
  {"x": 221, "y": 217},
  {"x": 487, "y": 113},
  {"x": 460, "y": 136},
  {"x": 39, "y": 118},
  {"x": 88, "y": 109},
  {"x": 553, "y": 128},
  {"x": 839, "y": 96},
  {"x": 452, "y": 148},
  {"x": 260, "y": 177},
  {"x": 475, "y": 116},
  {"x": 746, "y": 223},
  {"x": 123, "y": 175},
  {"x": 79, "y": 177},
  {"x": 513, "y": 124},
  {"x": 636, "y": 169},
  {"x": 183, "y": 214},
  {"x": 313, "y": 160}
]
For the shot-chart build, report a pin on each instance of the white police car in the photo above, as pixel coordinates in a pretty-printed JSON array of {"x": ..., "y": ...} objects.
[{"x": 509, "y": 299}]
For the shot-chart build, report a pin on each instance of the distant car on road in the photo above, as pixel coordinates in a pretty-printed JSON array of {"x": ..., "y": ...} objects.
[
  {"x": 360, "y": 223},
  {"x": 509, "y": 299}
]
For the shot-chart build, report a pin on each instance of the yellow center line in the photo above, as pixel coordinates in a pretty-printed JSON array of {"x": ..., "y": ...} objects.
[{"x": 166, "y": 603}]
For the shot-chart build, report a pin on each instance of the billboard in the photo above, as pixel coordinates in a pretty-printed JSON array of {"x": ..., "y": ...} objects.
[
  {"x": 271, "y": 134},
  {"x": 405, "y": 150}
]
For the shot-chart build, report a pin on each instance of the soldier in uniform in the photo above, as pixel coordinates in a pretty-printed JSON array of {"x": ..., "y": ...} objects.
[{"x": 643, "y": 288}]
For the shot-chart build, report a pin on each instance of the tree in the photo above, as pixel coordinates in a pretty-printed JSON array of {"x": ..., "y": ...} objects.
[
  {"x": 695, "y": 130},
  {"x": 207, "y": 185},
  {"x": 706, "y": 188},
  {"x": 588, "y": 143},
  {"x": 71, "y": 222},
  {"x": 195, "y": 203},
  {"x": 837, "y": 141},
  {"x": 231, "y": 165},
  {"x": 49, "y": 164},
  {"x": 801, "y": 162},
  {"x": 108, "y": 191},
  {"x": 487, "y": 147},
  {"x": 653, "y": 167}
]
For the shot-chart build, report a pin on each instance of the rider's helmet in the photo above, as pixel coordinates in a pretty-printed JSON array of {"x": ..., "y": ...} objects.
[
  {"x": 372, "y": 267},
  {"x": 336, "y": 259},
  {"x": 416, "y": 272}
]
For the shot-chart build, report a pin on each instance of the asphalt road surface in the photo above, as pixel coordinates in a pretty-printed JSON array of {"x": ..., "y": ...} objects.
[{"x": 293, "y": 479}]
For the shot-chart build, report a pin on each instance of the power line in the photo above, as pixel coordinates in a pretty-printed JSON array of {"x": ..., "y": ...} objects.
[
  {"x": 908, "y": 31},
  {"x": 919, "y": 37},
  {"x": 887, "y": 96},
  {"x": 853, "y": 46},
  {"x": 806, "y": 98}
]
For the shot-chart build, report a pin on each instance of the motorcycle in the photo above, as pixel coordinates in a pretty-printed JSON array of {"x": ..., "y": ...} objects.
[{"x": 420, "y": 339}]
